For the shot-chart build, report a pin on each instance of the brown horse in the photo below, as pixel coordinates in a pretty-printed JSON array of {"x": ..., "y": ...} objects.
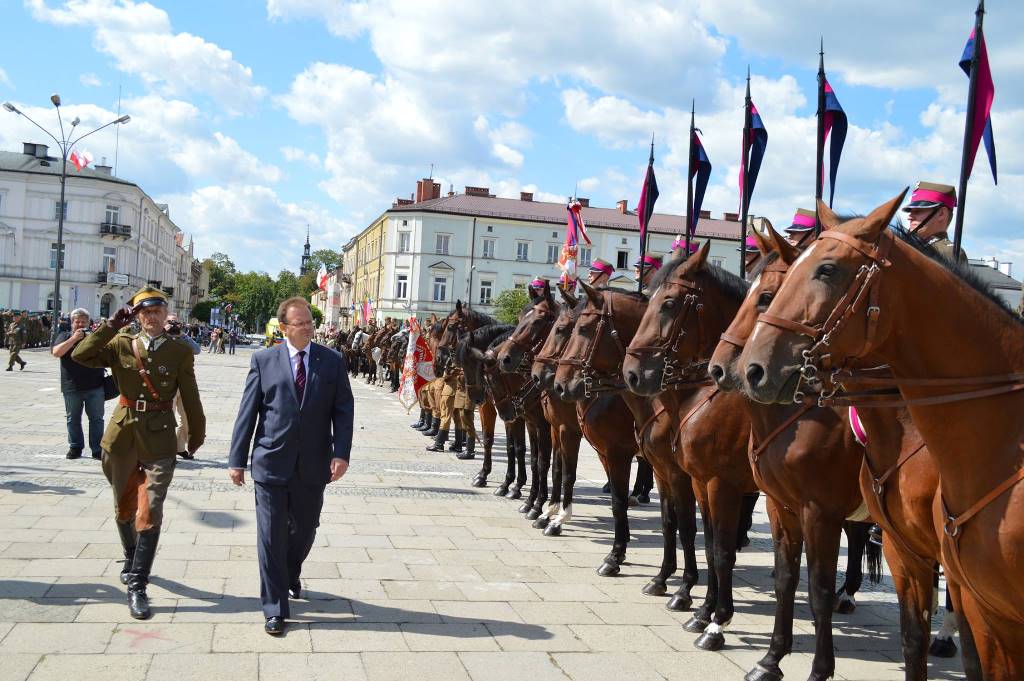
[
  {"x": 862, "y": 290},
  {"x": 898, "y": 479},
  {"x": 691, "y": 305},
  {"x": 591, "y": 364}
]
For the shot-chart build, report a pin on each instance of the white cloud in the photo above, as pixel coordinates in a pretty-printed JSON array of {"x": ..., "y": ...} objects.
[
  {"x": 5, "y": 79},
  {"x": 296, "y": 155},
  {"x": 90, "y": 80},
  {"x": 139, "y": 38}
]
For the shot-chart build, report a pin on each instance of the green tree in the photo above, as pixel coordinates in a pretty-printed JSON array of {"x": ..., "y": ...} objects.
[
  {"x": 202, "y": 310},
  {"x": 318, "y": 316},
  {"x": 508, "y": 303},
  {"x": 222, "y": 275},
  {"x": 257, "y": 299},
  {"x": 324, "y": 256}
]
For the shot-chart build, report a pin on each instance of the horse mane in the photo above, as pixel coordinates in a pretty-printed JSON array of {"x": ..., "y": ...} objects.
[
  {"x": 479, "y": 319},
  {"x": 762, "y": 264},
  {"x": 733, "y": 286},
  {"x": 480, "y": 339},
  {"x": 960, "y": 270},
  {"x": 501, "y": 338}
]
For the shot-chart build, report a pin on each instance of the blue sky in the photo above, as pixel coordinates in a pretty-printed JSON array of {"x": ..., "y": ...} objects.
[{"x": 253, "y": 119}]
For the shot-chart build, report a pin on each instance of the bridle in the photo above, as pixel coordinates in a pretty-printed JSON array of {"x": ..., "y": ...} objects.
[
  {"x": 695, "y": 372},
  {"x": 530, "y": 351},
  {"x": 593, "y": 379},
  {"x": 518, "y": 397}
]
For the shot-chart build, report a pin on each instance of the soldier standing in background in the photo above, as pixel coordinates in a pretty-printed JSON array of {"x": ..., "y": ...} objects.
[
  {"x": 929, "y": 213},
  {"x": 139, "y": 445},
  {"x": 16, "y": 341}
]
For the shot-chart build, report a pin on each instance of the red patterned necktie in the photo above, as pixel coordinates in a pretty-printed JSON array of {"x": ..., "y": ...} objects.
[{"x": 300, "y": 376}]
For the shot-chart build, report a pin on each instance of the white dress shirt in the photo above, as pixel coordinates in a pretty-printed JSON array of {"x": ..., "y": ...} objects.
[{"x": 293, "y": 358}]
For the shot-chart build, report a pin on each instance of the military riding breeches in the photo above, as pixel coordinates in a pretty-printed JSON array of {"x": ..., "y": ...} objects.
[
  {"x": 464, "y": 422},
  {"x": 139, "y": 487}
]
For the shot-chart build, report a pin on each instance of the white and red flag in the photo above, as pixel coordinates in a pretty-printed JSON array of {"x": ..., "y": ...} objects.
[
  {"x": 321, "y": 277},
  {"x": 418, "y": 368},
  {"x": 80, "y": 160}
]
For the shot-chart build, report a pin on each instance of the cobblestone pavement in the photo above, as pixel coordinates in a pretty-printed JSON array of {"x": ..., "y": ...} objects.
[{"x": 415, "y": 574}]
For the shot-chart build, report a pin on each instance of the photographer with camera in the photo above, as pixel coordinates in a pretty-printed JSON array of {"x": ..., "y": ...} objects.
[{"x": 81, "y": 386}]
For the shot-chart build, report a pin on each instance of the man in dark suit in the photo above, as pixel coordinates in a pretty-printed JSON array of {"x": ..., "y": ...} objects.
[{"x": 298, "y": 402}]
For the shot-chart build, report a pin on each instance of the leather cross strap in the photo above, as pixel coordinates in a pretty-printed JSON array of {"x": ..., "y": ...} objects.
[
  {"x": 878, "y": 489},
  {"x": 755, "y": 454},
  {"x": 143, "y": 374}
]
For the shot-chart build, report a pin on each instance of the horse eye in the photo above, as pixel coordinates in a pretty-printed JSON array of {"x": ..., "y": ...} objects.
[
  {"x": 765, "y": 299},
  {"x": 825, "y": 270},
  {"x": 668, "y": 304}
]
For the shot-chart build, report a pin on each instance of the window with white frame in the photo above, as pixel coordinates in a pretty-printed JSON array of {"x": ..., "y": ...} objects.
[
  {"x": 441, "y": 244},
  {"x": 404, "y": 239},
  {"x": 586, "y": 255},
  {"x": 440, "y": 289},
  {"x": 522, "y": 251},
  {"x": 109, "y": 259},
  {"x": 486, "y": 291},
  {"x": 57, "y": 210},
  {"x": 553, "y": 252},
  {"x": 112, "y": 216},
  {"x": 53, "y": 255},
  {"x": 402, "y": 286},
  {"x": 488, "y": 248}
]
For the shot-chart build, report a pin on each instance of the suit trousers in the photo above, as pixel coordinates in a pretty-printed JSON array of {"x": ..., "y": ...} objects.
[{"x": 286, "y": 520}]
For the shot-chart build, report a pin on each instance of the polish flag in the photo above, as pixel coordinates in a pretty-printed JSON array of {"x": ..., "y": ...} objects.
[
  {"x": 80, "y": 160},
  {"x": 321, "y": 277}
]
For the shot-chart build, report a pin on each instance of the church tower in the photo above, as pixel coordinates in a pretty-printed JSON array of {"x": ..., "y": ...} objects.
[{"x": 305, "y": 255}]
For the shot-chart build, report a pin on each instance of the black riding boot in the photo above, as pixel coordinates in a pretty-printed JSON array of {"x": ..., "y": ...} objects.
[
  {"x": 439, "y": 440},
  {"x": 460, "y": 439},
  {"x": 468, "y": 454},
  {"x": 435, "y": 425},
  {"x": 145, "y": 552},
  {"x": 419, "y": 424},
  {"x": 128, "y": 539}
]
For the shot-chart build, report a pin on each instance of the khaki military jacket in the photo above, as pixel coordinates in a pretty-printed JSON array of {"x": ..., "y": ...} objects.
[
  {"x": 15, "y": 335},
  {"x": 170, "y": 368},
  {"x": 944, "y": 247}
]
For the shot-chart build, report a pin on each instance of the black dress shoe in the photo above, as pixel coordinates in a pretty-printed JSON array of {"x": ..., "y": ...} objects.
[
  {"x": 97, "y": 455},
  {"x": 295, "y": 590},
  {"x": 73, "y": 454},
  {"x": 274, "y": 626}
]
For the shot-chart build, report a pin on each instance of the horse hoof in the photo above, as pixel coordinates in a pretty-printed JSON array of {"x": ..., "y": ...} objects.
[
  {"x": 608, "y": 569},
  {"x": 759, "y": 673},
  {"x": 501, "y": 491},
  {"x": 942, "y": 647},
  {"x": 525, "y": 507},
  {"x": 515, "y": 493},
  {"x": 681, "y": 604},
  {"x": 710, "y": 642},
  {"x": 541, "y": 522},
  {"x": 655, "y": 589},
  {"x": 533, "y": 514},
  {"x": 696, "y": 625},
  {"x": 479, "y": 481},
  {"x": 553, "y": 531},
  {"x": 845, "y": 607}
]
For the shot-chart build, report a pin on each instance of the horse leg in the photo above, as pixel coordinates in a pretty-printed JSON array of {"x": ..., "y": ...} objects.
[
  {"x": 545, "y": 514},
  {"x": 725, "y": 502},
  {"x": 516, "y": 491},
  {"x": 510, "y": 459},
  {"x": 856, "y": 540},
  {"x": 912, "y": 578},
  {"x": 570, "y": 459},
  {"x": 618, "y": 475},
  {"x": 685, "y": 507},
  {"x": 657, "y": 586},
  {"x": 787, "y": 537},
  {"x": 644, "y": 482},
  {"x": 702, "y": 616},
  {"x": 971, "y": 632},
  {"x": 822, "y": 536},
  {"x": 487, "y": 420},
  {"x": 527, "y": 505},
  {"x": 546, "y": 443}
]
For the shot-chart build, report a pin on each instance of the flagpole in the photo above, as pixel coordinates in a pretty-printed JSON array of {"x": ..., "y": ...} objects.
[
  {"x": 745, "y": 194},
  {"x": 979, "y": 16},
  {"x": 819, "y": 171},
  {"x": 647, "y": 228},
  {"x": 691, "y": 221}
]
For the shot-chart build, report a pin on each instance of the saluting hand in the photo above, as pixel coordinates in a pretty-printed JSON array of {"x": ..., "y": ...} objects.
[
  {"x": 121, "y": 318},
  {"x": 338, "y": 469}
]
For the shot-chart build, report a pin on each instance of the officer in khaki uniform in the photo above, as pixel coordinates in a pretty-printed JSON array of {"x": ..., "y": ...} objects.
[
  {"x": 446, "y": 406},
  {"x": 139, "y": 445},
  {"x": 462, "y": 412},
  {"x": 16, "y": 337},
  {"x": 929, "y": 215}
]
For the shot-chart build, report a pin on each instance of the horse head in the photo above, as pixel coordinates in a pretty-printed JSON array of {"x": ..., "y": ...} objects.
[{"x": 535, "y": 321}]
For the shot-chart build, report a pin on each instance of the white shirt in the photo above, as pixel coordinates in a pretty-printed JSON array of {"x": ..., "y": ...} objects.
[{"x": 293, "y": 358}]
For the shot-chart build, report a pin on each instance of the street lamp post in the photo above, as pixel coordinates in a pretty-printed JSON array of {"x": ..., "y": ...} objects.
[{"x": 65, "y": 144}]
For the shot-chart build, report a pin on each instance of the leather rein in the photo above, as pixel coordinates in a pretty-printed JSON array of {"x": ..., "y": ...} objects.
[{"x": 595, "y": 381}]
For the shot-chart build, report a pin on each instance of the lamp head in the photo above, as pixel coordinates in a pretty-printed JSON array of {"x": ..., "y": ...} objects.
[
  {"x": 123, "y": 119},
  {"x": 10, "y": 107},
  {"x": 55, "y": 98},
  {"x": 76, "y": 121}
]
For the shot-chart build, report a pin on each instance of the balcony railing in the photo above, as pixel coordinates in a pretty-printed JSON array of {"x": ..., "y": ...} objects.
[
  {"x": 114, "y": 229},
  {"x": 114, "y": 278}
]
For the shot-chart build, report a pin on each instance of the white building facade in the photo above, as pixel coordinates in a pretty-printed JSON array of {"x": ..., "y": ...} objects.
[
  {"x": 116, "y": 238},
  {"x": 472, "y": 246}
]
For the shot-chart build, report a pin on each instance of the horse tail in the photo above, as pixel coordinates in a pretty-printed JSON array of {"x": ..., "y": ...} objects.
[{"x": 873, "y": 557}]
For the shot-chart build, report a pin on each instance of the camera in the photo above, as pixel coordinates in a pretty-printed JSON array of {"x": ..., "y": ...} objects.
[{"x": 174, "y": 328}]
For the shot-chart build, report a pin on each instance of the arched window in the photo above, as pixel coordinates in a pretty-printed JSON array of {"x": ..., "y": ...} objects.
[{"x": 107, "y": 303}]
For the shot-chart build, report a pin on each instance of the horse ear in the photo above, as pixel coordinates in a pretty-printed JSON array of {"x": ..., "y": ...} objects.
[
  {"x": 593, "y": 295},
  {"x": 880, "y": 217},
  {"x": 778, "y": 243},
  {"x": 827, "y": 218},
  {"x": 702, "y": 254},
  {"x": 547, "y": 292},
  {"x": 765, "y": 243},
  {"x": 532, "y": 293},
  {"x": 569, "y": 298},
  {"x": 458, "y": 306}
]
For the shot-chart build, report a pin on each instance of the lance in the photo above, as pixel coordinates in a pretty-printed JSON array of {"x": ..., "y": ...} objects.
[
  {"x": 972, "y": 89},
  {"x": 745, "y": 194},
  {"x": 691, "y": 221},
  {"x": 647, "y": 223},
  {"x": 819, "y": 171}
]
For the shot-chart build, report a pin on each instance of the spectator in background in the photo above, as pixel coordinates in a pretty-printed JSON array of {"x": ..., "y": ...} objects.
[
  {"x": 213, "y": 341},
  {"x": 81, "y": 387},
  {"x": 232, "y": 340}
]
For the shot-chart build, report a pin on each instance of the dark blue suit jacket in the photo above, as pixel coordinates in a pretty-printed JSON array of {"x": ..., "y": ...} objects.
[{"x": 292, "y": 438}]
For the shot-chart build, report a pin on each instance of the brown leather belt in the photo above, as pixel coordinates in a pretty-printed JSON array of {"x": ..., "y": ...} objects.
[{"x": 145, "y": 405}]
